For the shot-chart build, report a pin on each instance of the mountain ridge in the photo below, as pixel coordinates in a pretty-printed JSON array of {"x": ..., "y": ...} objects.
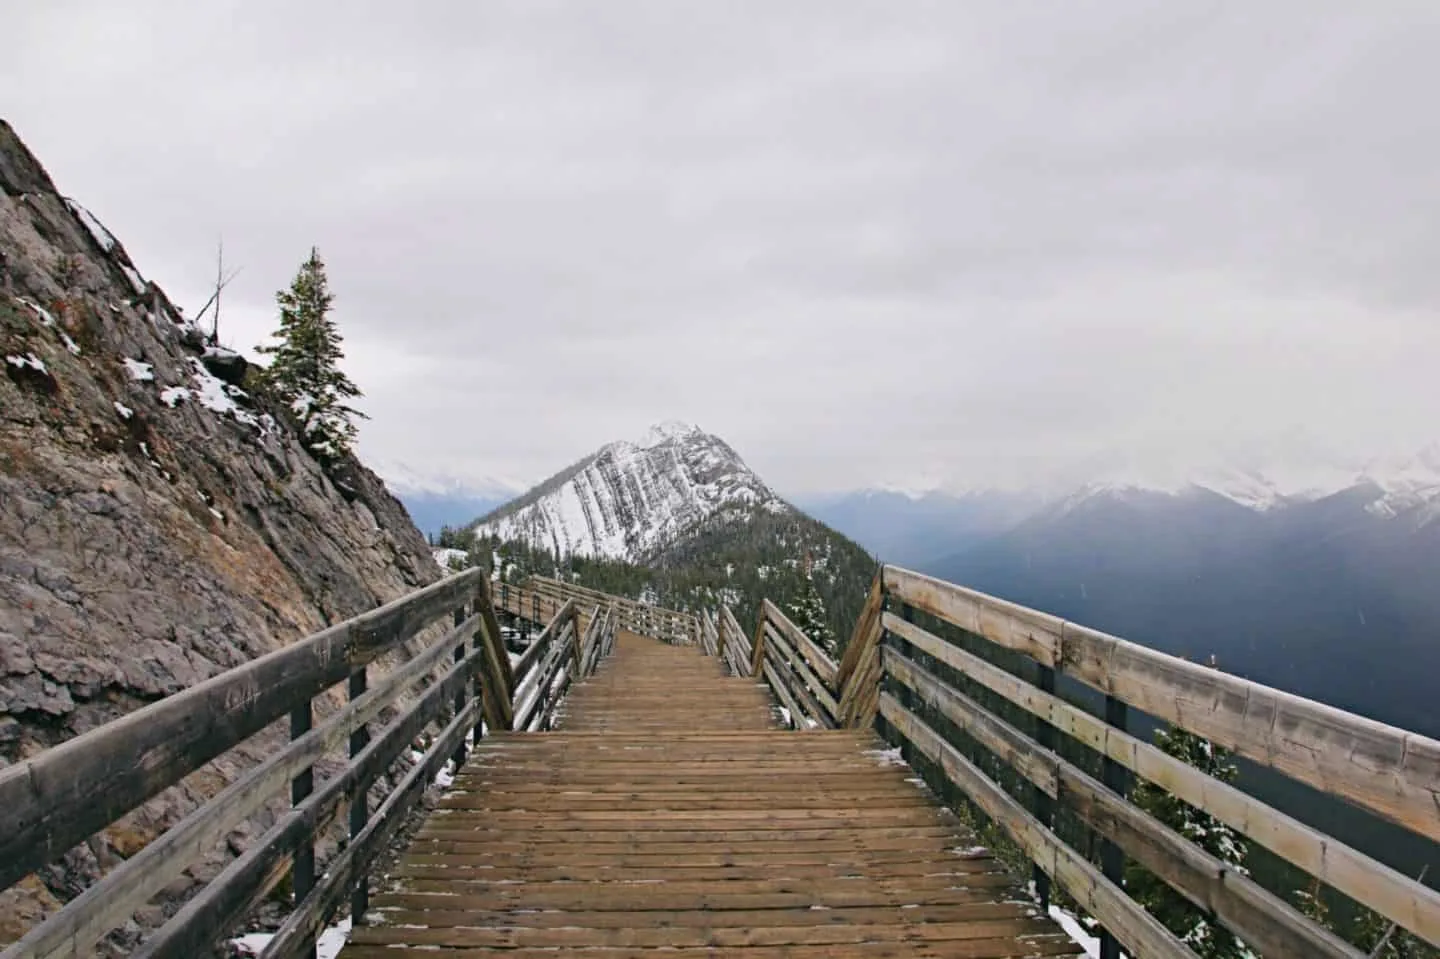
[
  {"x": 679, "y": 517},
  {"x": 628, "y": 500}
]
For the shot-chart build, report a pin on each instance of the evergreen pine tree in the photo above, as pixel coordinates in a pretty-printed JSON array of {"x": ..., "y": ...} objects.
[
  {"x": 808, "y": 612},
  {"x": 1199, "y": 931},
  {"x": 305, "y": 373}
]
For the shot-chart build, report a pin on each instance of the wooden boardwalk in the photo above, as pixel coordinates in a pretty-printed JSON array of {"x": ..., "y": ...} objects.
[{"x": 668, "y": 812}]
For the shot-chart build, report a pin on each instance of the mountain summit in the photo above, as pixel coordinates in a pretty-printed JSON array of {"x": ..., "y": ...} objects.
[{"x": 632, "y": 500}]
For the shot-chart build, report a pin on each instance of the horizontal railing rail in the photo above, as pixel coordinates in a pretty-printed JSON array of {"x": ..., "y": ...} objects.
[
  {"x": 735, "y": 651},
  {"x": 797, "y": 669},
  {"x": 941, "y": 699},
  {"x": 463, "y": 681},
  {"x": 672, "y": 626}
]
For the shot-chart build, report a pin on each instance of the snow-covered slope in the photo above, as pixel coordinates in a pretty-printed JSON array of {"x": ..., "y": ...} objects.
[{"x": 630, "y": 500}]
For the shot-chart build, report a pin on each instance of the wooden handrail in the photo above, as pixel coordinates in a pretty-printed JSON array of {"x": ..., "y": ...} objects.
[
  {"x": 1390, "y": 772},
  {"x": 59, "y": 798}
]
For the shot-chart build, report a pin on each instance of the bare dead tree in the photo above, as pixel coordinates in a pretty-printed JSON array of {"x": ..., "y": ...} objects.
[{"x": 221, "y": 281}]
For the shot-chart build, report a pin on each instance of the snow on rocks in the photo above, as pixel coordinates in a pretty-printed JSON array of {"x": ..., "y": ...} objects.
[
  {"x": 124, "y": 411},
  {"x": 46, "y": 317},
  {"x": 28, "y": 359},
  {"x": 444, "y": 557},
  {"x": 212, "y": 393},
  {"x": 139, "y": 372},
  {"x": 102, "y": 236}
]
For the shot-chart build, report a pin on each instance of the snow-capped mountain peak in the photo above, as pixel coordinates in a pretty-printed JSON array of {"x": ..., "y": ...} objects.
[
  {"x": 631, "y": 500},
  {"x": 667, "y": 430},
  {"x": 1405, "y": 482},
  {"x": 1399, "y": 483}
]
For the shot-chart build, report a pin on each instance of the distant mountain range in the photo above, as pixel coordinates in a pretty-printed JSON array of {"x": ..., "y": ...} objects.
[
  {"x": 435, "y": 502},
  {"x": 913, "y": 529}
]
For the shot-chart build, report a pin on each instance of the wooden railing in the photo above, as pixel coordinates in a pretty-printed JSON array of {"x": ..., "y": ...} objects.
[
  {"x": 463, "y": 682},
  {"x": 984, "y": 699},
  {"x": 546, "y": 594}
]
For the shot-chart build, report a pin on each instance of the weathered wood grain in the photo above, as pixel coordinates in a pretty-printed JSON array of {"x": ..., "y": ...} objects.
[
  {"x": 1392, "y": 772},
  {"x": 1372, "y": 883},
  {"x": 1389, "y": 771},
  {"x": 1264, "y": 921},
  {"x": 794, "y": 671},
  {"x": 644, "y": 829},
  {"x": 212, "y": 913},
  {"x": 1036, "y": 634},
  {"x": 105, "y": 905},
  {"x": 1140, "y": 932},
  {"x": 860, "y": 635},
  {"x": 823, "y": 666},
  {"x": 55, "y": 800},
  {"x": 301, "y": 927}
]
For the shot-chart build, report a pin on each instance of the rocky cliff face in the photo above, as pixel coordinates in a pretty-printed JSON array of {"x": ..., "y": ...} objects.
[
  {"x": 632, "y": 501},
  {"x": 157, "y": 524}
]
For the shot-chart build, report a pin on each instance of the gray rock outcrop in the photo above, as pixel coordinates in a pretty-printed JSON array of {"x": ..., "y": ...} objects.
[{"x": 158, "y": 524}]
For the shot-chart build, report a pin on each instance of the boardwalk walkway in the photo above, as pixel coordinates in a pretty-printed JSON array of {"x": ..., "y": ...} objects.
[{"x": 667, "y": 812}]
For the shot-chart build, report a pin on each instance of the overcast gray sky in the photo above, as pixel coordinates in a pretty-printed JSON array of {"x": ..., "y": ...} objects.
[{"x": 889, "y": 242}]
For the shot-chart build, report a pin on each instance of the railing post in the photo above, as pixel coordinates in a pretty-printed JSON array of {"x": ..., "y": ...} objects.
[
  {"x": 302, "y": 870},
  {"x": 1112, "y": 857},
  {"x": 477, "y": 639},
  {"x": 460, "y": 617},
  {"x": 360, "y": 801},
  {"x": 1044, "y": 808}
]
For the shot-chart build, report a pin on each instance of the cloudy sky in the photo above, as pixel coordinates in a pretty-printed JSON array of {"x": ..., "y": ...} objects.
[{"x": 889, "y": 242}]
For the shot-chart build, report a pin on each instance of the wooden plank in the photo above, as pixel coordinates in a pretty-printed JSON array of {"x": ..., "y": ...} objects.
[
  {"x": 1372, "y": 883},
  {"x": 812, "y": 713},
  {"x": 757, "y": 647},
  {"x": 105, "y": 905},
  {"x": 495, "y": 682},
  {"x": 858, "y": 675},
  {"x": 782, "y": 693},
  {"x": 806, "y": 684},
  {"x": 485, "y": 604},
  {"x": 535, "y": 699},
  {"x": 823, "y": 666},
  {"x": 1033, "y": 633},
  {"x": 213, "y": 912},
  {"x": 1141, "y": 933},
  {"x": 1002, "y": 739},
  {"x": 1390, "y": 771},
  {"x": 57, "y": 799},
  {"x": 863, "y": 630},
  {"x": 302, "y": 926},
  {"x": 1264, "y": 921},
  {"x": 740, "y": 644}
]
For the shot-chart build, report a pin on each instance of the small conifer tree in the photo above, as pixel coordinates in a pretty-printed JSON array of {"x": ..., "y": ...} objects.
[
  {"x": 305, "y": 373},
  {"x": 808, "y": 612},
  {"x": 1199, "y": 931}
]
